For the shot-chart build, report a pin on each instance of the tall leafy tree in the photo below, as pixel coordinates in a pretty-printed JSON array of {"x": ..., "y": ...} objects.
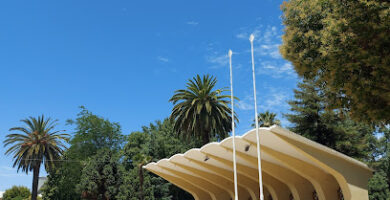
[
  {"x": 92, "y": 133},
  {"x": 61, "y": 181},
  {"x": 154, "y": 187},
  {"x": 157, "y": 140},
  {"x": 37, "y": 142},
  {"x": 345, "y": 45},
  {"x": 267, "y": 119},
  {"x": 201, "y": 110},
  {"x": 101, "y": 177},
  {"x": 311, "y": 119},
  {"x": 308, "y": 114},
  {"x": 137, "y": 143}
]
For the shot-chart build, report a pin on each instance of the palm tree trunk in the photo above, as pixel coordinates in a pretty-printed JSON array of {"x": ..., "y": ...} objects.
[
  {"x": 35, "y": 182},
  {"x": 205, "y": 139},
  {"x": 204, "y": 134}
]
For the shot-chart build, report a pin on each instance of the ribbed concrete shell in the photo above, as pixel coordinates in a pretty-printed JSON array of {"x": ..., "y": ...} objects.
[{"x": 292, "y": 166}]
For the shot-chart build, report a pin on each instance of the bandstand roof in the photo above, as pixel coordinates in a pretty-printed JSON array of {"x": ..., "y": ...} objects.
[{"x": 292, "y": 167}]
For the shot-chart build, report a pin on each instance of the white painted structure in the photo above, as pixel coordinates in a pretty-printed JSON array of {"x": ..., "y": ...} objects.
[{"x": 292, "y": 166}]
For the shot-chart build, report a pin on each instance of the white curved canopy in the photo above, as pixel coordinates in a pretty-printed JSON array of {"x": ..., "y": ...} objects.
[{"x": 293, "y": 167}]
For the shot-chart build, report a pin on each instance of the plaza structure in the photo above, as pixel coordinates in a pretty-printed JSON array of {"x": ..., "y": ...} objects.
[{"x": 293, "y": 167}]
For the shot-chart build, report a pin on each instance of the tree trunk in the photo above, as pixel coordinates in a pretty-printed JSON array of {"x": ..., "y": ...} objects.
[
  {"x": 205, "y": 138},
  {"x": 34, "y": 192},
  {"x": 141, "y": 183}
]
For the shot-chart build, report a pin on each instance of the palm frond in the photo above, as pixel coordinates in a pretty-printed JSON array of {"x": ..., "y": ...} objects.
[
  {"x": 200, "y": 109},
  {"x": 35, "y": 143}
]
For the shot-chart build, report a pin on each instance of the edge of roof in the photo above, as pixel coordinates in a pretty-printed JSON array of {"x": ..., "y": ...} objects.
[
  {"x": 300, "y": 139},
  {"x": 286, "y": 133}
]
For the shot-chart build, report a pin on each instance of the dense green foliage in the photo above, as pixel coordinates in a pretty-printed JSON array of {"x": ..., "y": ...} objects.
[
  {"x": 101, "y": 176},
  {"x": 382, "y": 164},
  {"x": 36, "y": 143},
  {"x": 200, "y": 111},
  {"x": 345, "y": 46},
  {"x": 62, "y": 181},
  {"x": 310, "y": 118},
  {"x": 17, "y": 193},
  {"x": 93, "y": 169},
  {"x": 266, "y": 119},
  {"x": 139, "y": 161},
  {"x": 92, "y": 134},
  {"x": 156, "y": 141},
  {"x": 378, "y": 187}
]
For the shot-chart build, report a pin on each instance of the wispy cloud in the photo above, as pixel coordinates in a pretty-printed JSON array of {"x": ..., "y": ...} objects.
[
  {"x": 11, "y": 175},
  {"x": 162, "y": 59},
  {"x": 270, "y": 98},
  {"x": 6, "y": 168},
  {"x": 274, "y": 101},
  {"x": 271, "y": 50},
  {"x": 276, "y": 69},
  {"x": 218, "y": 60},
  {"x": 192, "y": 23},
  {"x": 246, "y": 103},
  {"x": 270, "y": 34},
  {"x": 267, "y": 40},
  {"x": 245, "y": 32},
  {"x": 164, "y": 68},
  {"x": 242, "y": 36},
  {"x": 266, "y": 48},
  {"x": 262, "y": 34}
]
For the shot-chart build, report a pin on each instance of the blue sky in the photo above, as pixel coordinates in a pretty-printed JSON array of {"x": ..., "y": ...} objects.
[{"x": 124, "y": 59}]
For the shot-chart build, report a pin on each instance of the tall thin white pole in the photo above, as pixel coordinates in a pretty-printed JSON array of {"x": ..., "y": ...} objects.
[
  {"x": 233, "y": 128},
  {"x": 251, "y": 38}
]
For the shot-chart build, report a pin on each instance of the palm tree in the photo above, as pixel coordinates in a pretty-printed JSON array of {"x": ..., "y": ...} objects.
[
  {"x": 267, "y": 119},
  {"x": 36, "y": 143},
  {"x": 140, "y": 160},
  {"x": 200, "y": 110}
]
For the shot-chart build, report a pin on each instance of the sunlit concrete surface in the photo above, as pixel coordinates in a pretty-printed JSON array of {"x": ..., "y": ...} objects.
[{"x": 293, "y": 168}]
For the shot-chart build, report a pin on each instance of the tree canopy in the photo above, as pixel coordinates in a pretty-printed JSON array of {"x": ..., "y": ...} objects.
[
  {"x": 36, "y": 143},
  {"x": 17, "y": 193},
  {"x": 267, "y": 119},
  {"x": 201, "y": 110},
  {"x": 90, "y": 170},
  {"x": 345, "y": 46},
  {"x": 101, "y": 176},
  {"x": 311, "y": 119},
  {"x": 378, "y": 187},
  {"x": 92, "y": 134},
  {"x": 156, "y": 141}
]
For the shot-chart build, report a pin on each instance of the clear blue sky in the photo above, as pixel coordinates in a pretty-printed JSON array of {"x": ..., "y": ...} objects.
[{"x": 124, "y": 59}]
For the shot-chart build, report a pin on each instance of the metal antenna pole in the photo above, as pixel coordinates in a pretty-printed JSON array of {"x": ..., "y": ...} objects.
[
  {"x": 233, "y": 131},
  {"x": 251, "y": 38}
]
